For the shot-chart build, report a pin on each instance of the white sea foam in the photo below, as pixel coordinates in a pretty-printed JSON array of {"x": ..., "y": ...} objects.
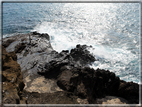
[
  {"x": 112, "y": 35},
  {"x": 111, "y": 28},
  {"x": 113, "y": 59}
]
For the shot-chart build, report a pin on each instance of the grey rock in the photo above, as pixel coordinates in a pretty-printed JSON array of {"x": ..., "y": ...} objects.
[{"x": 33, "y": 51}]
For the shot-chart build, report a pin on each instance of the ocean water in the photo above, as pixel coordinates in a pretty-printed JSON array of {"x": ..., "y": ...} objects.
[{"x": 113, "y": 30}]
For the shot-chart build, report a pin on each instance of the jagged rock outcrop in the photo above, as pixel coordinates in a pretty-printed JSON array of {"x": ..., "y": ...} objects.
[
  {"x": 35, "y": 54},
  {"x": 78, "y": 57},
  {"x": 88, "y": 83},
  {"x": 47, "y": 73},
  {"x": 33, "y": 50},
  {"x": 129, "y": 91},
  {"x": 91, "y": 84},
  {"x": 12, "y": 83}
]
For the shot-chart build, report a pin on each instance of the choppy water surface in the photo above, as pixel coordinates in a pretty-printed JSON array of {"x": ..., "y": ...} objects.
[{"x": 111, "y": 28}]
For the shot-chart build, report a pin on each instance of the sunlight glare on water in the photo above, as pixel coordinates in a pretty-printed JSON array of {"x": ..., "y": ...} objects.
[
  {"x": 111, "y": 28},
  {"x": 104, "y": 26}
]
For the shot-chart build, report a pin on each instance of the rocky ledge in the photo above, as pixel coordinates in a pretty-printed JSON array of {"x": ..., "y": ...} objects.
[{"x": 44, "y": 76}]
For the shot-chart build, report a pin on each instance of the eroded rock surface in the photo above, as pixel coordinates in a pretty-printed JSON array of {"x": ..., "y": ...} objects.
[
  {"x": 41, "y": 85},
  {"x": 88, "y": 83},
  {"x": 12, "y": 82},
  {"x": 54, "y": 78},
  {"x": 111, "y": 100},
  {"x": 78, "y": 57},
  {"x": 35, "y": 55},
  {"x": 129, "y": 91},
  {"x": 33, "y": 50},
  {"x": 60, "y": 97}
]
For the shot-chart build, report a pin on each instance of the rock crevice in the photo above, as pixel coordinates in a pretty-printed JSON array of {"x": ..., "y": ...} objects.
[{"x": 65, "y": 77}]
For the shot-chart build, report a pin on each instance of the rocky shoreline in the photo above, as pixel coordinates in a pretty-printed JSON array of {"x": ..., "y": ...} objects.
[{"x": 34, "y": 73}]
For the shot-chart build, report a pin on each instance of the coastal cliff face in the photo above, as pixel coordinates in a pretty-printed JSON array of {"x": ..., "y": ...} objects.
[
  {"x": 12, "y": 83},
  {"x": 48, "y": 77}
]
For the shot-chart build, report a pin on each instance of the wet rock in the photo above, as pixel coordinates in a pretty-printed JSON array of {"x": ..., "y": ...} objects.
[
  {"x": 78, "y": 57},
  {"x": 35, "y": 55},
  {"x": 44, "y": 35},
  {"x": 82, "y": 55},
  {"x": 35, "y": 33},
  {"x": 65, "y": 77},
  {"x": 33, "y": 51}
]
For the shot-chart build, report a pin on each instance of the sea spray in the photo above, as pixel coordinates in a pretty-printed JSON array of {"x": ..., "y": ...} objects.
[{"x": 112, "y": 29}]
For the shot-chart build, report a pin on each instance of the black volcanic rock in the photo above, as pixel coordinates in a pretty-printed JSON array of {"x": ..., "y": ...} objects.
[
  {"x": 91, "y": 84},
  {"x": 87, "y": 82},
  {"x": 47, "y": 73},
  {"x": 82, "y": 55},
  {"x": 19, "y": 48},
  {"x": 78, "y": 57},
  {"x": 129, "y": 91}
]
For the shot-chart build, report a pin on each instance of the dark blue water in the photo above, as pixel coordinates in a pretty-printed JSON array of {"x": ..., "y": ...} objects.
[{"x": 111, "y": 28}]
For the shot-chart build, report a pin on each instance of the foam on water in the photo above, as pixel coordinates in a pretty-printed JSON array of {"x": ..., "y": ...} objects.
[
  {"x": 102, "y": 27},
  {"x": 9, "y": 35},
  {"x": 116, "y": 60},
  {"x": 112, "y": 29}
]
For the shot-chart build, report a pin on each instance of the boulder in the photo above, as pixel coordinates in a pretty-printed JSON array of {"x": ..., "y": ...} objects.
[
  {"x": 81, "y": 55},
  {"x": 87, "y": 82},
  {"x": 129, "y": 91}
]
